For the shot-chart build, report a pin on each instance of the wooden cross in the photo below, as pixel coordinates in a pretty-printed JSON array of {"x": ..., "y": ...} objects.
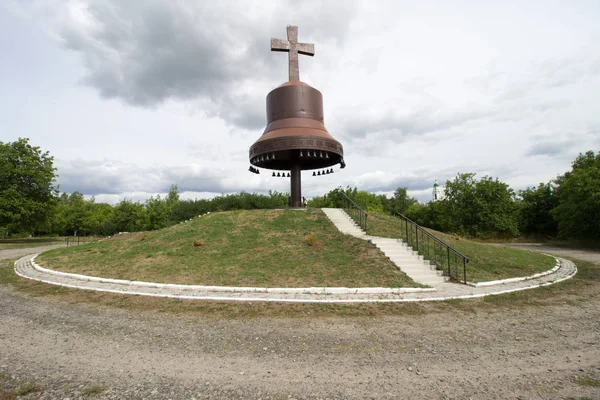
[{"x": 293, "y": 47}]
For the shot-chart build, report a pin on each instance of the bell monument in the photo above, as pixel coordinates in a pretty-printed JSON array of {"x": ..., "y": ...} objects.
[{"x": 295, "y": 138}]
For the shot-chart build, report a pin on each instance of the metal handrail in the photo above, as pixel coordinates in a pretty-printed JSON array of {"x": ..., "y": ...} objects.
[
  {"x": 442, "y": 255},
  {"x": 76, "y": 240},
  {"x": 355, "y": 211}
]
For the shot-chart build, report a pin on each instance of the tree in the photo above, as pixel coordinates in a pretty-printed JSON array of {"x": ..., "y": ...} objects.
[
  {"x": 482, "y": 207},
  {"x": 100, "y": 219},
  {"x": 77, "y": 215},
  {"x": 400, "y": 202},
  {"x": 27, "y": 191},
  {"x": 173, "y": 195},
  {"x": 433, "y": 215},
  {"x": 460, "y": 202},
  {"x": 158, "y": 213},
  {"x": 535, "y": 210},
  {"x": 578, "y": 191},
  {"x": 128, "y": 216},
  {"x": 367, "y": 201}
]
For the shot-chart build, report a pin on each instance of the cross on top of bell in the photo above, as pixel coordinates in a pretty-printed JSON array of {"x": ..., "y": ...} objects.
[{"x": 293, "y": 48}]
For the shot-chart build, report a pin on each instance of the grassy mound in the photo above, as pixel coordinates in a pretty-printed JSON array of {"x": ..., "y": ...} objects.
[
  {"x": 486, "y": 262},
  {"x": 267, "y": 248}
]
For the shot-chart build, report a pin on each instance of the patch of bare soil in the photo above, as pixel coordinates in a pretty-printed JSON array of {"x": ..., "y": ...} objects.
[
  {"x": 518, "y": 352},
  {"x": 128, "y": 236}
]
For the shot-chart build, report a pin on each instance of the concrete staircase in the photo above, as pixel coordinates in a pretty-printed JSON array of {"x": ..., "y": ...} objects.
[
  {"x": 412, "y": 264},
  {"x": 344, "y": 223},
  {"x": 396, "y": 250}
]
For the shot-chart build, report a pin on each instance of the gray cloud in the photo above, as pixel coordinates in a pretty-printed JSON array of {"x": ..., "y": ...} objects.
[
  {"x": 175, "y": 50},
  {"x": 546, "y": 149},
  {"x": 546, "y": 75},
  {"x": 563, "y": 72},
  {"x": 393, "y": 125},
  {"x": 388, "y": 183},
  {"x": 544, "y": 145},
  {"x": 549, "y": 105},
  {"x": 368, "y": 130},
  {"x": 110, "y": 177}
]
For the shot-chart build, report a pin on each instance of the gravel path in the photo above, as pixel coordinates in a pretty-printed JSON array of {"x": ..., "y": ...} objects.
[
  {"x": 585, "y": 255},
  {"x": 528, "y": 352},
  {"x": 9, "y": 254}
]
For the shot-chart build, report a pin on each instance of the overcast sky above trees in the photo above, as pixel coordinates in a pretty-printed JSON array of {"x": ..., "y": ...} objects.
[{"x": 131, "y": 97}]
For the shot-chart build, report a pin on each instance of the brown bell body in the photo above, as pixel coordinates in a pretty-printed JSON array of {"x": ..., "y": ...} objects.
[{"x": 295, "y": 136}]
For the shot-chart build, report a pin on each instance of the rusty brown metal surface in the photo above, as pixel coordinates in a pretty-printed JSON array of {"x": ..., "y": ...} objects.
[
  {"x": 293, "y": 48},
  {"x": 295, "y": 132},
  {"x": 294, "y": 101},
  {"x": 296, "y": 186},
  {"x": 295, "y": 137}
]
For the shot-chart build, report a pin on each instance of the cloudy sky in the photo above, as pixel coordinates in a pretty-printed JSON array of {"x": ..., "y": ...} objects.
[{"x": 131, "y": 97}]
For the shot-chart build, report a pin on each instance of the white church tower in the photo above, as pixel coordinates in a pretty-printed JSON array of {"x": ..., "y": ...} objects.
[{"x": 438, "y": 191}]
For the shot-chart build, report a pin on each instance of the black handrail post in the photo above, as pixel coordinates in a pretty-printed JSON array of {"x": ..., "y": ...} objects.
[
  {"x": 414, "y": 243},
  {"x": 428, "y": 249},
  {"x": 449, "y": 273},
  {"x": 417, "y": 239}
]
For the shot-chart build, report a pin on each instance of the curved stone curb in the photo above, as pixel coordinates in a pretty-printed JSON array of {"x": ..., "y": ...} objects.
[
  {"x": 523, "y": 278},
  {"x": 445, "y": 291},
  {"x": 235, "y": 289}
]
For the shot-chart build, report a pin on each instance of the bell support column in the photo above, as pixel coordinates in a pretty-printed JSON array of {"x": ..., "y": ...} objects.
[{"x": 296, "y": 186}]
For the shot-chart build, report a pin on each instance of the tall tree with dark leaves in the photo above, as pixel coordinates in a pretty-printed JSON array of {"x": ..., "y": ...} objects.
[
  {"x": 27, "y": 187},
  {"x": 578, "y": 211},
  {"x": 400, "y": 202},
  {"x": 536, "y": 207},
  {"x": 481, "y": 207}
]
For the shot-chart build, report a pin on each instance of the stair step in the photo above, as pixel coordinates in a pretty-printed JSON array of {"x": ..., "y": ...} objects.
[
  {"x": 425, "y": 270},
  {"x": 402, "y": 255},
  {"x": 409, "y": 260}
]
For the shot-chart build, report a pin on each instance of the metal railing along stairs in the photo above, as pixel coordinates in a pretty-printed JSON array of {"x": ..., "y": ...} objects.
[
  {"x": 434, "y": 249},
  {"x": 354, "y": 211}
]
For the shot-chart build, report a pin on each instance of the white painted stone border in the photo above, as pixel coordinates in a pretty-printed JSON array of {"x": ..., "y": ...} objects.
[
  {"x": 234, "y": 289},
  {"x": 411, "y": 297},
  {"x": 523, "y": 278}
]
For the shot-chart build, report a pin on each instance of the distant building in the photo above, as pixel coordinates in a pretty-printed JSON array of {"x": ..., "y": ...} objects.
[{"x": 438, "y": 191}]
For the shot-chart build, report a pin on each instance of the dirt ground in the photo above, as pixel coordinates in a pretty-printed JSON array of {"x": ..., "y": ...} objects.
[
  {"x": 58, "y": 350},
  {"x": 9, "y": 254},
  {"x": 585, "y": 255}
]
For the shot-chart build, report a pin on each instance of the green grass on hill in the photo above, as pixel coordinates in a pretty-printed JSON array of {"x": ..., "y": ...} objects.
[
  {"x": 266, "y": 248},
  {"x": 486, "y": 262}
]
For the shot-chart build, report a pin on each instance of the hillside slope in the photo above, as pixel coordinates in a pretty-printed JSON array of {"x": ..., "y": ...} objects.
[
  {"x": 486, "y": 261},
  {"x": 266, "y": 248}
]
